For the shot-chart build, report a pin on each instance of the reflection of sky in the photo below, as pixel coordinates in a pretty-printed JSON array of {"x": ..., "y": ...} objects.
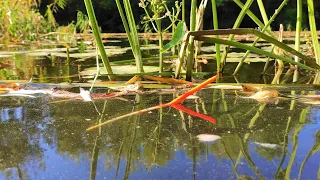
[
  {"x": 62, "y": 166},
  {"x": 58, "y": 166},
  {"x": 11, "y": 113},
  {"x": 315, "y": 115}
]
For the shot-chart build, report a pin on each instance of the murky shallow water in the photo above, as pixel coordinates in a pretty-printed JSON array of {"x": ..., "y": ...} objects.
[{"x": 42, "y": 140}]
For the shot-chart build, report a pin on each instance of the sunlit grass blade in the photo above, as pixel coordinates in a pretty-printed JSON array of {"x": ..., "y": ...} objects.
[
  {"x": 216, "y": 27},
  {"x": 242, "y": 31},
  {"x": 297, "y": 38},
  {"x": 131, "y": 31},
  {"x": 266, "y": 27},
  {"x": 256, "y": 50},
  {"x": 313, "y": 30},
  {"x": 253, "y": 17},
  {"x": 236, "y": 25},
  {"x": 95, "y": 28}
]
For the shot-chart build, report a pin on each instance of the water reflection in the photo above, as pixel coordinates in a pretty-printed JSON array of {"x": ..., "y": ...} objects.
[{"x": 256, "y": 140}]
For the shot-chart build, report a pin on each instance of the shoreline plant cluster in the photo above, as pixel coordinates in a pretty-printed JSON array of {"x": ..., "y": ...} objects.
[
  {"x": 21, "y": 20},
  {"x": 187, "y": 40}
]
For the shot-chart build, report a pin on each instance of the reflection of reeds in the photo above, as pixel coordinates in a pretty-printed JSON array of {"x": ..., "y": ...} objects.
[
  {"x": 251, "y": 124},
  {"x": 96, "y": 147},
  {"x": 285, "y": 139},
  {"x": 243, "y": 144},
  {"x": 315, "y": 148},
  {"x": 295, "y": 144},
  {"x": 234, "y": 166},
  {"x": 94, "y": 158},
  {"x": 132, "y": 141}
]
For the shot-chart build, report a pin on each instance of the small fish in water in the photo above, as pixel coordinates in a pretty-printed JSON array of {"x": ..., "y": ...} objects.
[
  {"x": 268, "y": 145},
  {"x": 208, "y": 137},
  {"x": 247, "y": 88},
  {"x": 85, "y": 95},
  {"x": 264, "y": 94},
  {"x": 260, "y": 94}
]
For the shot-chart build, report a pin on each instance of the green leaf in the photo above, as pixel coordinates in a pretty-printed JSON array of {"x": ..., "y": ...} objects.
[{"x": 177, "y": 36}]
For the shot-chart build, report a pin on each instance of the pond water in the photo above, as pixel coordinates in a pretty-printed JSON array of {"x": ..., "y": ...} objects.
[
  {"x": 251, "y": 140},
  {"x": 45, "y": 138}
]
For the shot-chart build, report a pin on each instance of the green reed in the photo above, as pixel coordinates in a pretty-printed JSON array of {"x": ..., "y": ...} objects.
[
  {"x": 216, "y": 27},
  {"x": 313, "y": 29},
  {"x": 131, "y": 30},
  {"x": 266, "y": 27},
  {"x": 201, "y": 36},
  {"x": 96, "y": 32},
  {"x": 298, "y": 34},
  {"x": 236, "y": 25},
  {"x": 159, "y": 12}
]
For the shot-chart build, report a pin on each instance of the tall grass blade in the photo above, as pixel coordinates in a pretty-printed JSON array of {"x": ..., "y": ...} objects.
[
  {"x": 253, "y": 17},
  {"x": 236, "y": 25},
  {"x": 95, "y": 28},
  {"x": 216, "y": 27},
  {"x": 159, "y": 27},
  {"x": 131, "y": 31},
  {"x": 266, "y": 27},
  {"x": 254, "y": 49},
  {"x": 313, "y": 30},
  {"x": 242, "y": 31},
  {"x": 298, "y": 39},
  {"x": 190, "y": 59},
  {"x": 263, "y": 12}
]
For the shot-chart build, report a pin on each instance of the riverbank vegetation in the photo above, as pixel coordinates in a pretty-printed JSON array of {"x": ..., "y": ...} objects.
[{"x": 185, "y": 22}]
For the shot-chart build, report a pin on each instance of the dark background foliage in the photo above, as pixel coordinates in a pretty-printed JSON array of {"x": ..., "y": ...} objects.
[{"x": 109, "y": 19}]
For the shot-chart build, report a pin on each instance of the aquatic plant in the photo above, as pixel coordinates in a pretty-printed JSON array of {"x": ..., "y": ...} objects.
[
  {"x": 159, "y": 12},
  {"x": 266, "y": 27},
  {"x": 216, "y": 27},
  {"x": 200, "y": 35},
  {"x": 21, "y": 20},
  {"x": 95, "y": 28},
  {"x": 131, "y": 30}
]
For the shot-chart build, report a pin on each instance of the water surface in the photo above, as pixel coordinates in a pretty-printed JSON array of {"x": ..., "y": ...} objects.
[{"x": 259, "y": 140}]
